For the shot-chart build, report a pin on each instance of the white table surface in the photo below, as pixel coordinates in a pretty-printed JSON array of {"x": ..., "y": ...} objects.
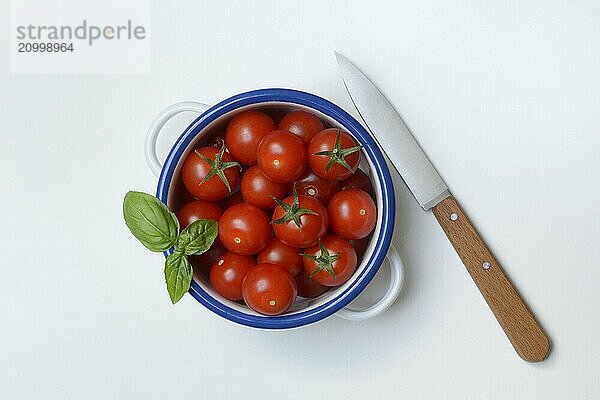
[{"x": 504, "y": 98}]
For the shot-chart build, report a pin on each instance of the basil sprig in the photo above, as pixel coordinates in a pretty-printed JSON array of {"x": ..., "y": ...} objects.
[
  {"x": 150, "y": 221},
  {"x": 178, "y": 274},
  {"x": 157, "y": 228},
  {"x": 197, "y": 237}
]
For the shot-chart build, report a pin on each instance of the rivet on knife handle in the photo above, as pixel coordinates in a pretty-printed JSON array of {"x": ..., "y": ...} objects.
[{"x": 519, "y": 324}]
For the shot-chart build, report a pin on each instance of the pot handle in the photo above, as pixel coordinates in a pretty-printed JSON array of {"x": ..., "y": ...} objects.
[
  {"x": 396, "y": 279},
  {"x": 156, "y": 127}
]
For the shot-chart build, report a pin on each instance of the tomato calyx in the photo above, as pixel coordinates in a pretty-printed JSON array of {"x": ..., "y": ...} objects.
[
  {"x": 338, "y": 155},
  {"x": 324, "y": 261},
  {"x": 292, "y": 211},
  {"x": 218, "y": 166}
]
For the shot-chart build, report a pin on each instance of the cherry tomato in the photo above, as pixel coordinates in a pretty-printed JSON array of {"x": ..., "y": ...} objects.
[
  {"x": 201, "y": 263},
  {"x": 209, "y": 173},
  {"x": 196, "y": 210},
  {"x": 333, "y": 154},
  {"x": 269, "y": 289},
  {"x": 308, "y": 287},
  {"x": 244, "y": 133},
  {"x": 282, "y": 156},
  {"x": 244, "y": 229},
  {"x": 299, "y": 221},
  {"x": 277, "y": 252},
  {"x": 233, "y": 199},
  {"x": 257, "y": 188},
  {"x": 352, "y": 213},
  {"x": 302, "y": 124},
  {"x": 358, "y": 180},
  {"x": 309, "y": 184},
  {"x": 331, "y": 262},
  {"x": 227, "y": 274}
]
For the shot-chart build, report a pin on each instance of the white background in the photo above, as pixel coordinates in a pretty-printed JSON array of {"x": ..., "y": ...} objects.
[{"x": 502, "y": 95}]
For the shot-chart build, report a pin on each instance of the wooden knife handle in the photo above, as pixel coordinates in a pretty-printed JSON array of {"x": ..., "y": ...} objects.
[{"x": 523, "y": 331}]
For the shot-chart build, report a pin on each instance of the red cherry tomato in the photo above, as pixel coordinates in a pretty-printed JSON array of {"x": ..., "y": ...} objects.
[
  {"x": 302, "y": 124},
  {"x": 299, "y": 221},
  {"x": 201, "y": 263},
  {"x": 309, "y": 184},
  {"x": 282, "y": 156},
  {"x": 209, "y": 173},
  {"x": 333, "y": 154},
  {"x": 227, "y": 274},
  {"x": 308, "y": 287},
  {"x": 277, "y": 252},
  {"x": 257, "y": 188},
  {"x": 269, "y": 289},
  {"x": 196, "y": 210},
  {"x": 331, "y": 262},
  {"x": 233, "y": 199},
  {"x": 244, "y": 229},
  {"x": 358, "y": 180},
  {"x": 352, "y": 213},
  {"x": 244, "y": 133}
]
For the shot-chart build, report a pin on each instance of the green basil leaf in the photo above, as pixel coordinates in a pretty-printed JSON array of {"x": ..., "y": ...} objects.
[
  {"x": 197, "y": 237},
  {"x": 150, "y": 221},
  {"x": 178, "y": 275}
]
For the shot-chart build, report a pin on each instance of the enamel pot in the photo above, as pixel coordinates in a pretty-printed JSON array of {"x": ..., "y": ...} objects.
[{"x": 379, "y": 250}]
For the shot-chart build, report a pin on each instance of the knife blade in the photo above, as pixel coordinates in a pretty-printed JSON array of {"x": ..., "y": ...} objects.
[
  {"x": 401, "y": 147},
  {"x": 431, "y": 192}
]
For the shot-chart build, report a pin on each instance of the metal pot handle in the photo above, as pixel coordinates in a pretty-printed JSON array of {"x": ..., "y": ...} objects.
[
  {"x": 156, "y": 127},
  {"x": 396, "y": 279}
]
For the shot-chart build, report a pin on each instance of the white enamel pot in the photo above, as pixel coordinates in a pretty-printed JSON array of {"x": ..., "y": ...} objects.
[{"x": 379, "y": 249}]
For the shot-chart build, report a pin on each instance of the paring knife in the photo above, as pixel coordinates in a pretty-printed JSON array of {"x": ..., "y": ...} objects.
[{"x": 421, "y": 177}]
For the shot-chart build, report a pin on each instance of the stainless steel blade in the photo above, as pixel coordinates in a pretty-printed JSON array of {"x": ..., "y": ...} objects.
[{"x": 394, "y": 137}]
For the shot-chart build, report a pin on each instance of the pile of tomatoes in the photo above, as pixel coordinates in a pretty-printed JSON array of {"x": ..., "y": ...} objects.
[{"x": 294, "y": 210}]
